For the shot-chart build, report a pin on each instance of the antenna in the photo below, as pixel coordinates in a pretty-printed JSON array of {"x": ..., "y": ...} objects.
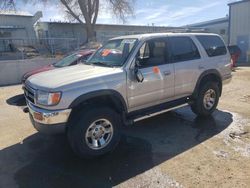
[{"x": 8, "y": 5}]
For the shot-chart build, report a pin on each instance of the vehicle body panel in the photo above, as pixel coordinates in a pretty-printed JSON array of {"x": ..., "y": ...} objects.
[{"x": 171, "y": 80}]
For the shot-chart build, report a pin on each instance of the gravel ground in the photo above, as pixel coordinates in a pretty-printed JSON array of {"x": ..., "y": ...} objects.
[{"x": 175, "y": 149}]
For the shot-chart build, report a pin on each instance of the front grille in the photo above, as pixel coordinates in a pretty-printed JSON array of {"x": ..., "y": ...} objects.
[{"x": 29, "y": 93}]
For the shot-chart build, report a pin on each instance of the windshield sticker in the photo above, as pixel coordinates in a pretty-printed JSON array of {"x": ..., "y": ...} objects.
[{"x": 106, "y": 52}]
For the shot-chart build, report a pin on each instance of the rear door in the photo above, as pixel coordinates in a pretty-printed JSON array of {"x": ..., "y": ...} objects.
[
  {"x": 185, "y": 57},
  {"x": 158, "y": 83}
]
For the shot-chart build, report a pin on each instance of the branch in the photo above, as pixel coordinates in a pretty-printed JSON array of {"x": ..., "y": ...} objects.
[
  {"x": 70, "y": 11},
  {"x": 122, "y": 8},
  {"x": 96, "y": 11},
  {"x": 89, "y": 9},
  {"x": 83, "y": 7}
]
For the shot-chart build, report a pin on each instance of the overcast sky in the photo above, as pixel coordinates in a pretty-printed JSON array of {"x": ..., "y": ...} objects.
[{"x": 159, "y": 12}]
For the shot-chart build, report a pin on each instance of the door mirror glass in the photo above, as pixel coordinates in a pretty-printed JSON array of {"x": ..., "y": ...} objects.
[{"x": 138, "y": 75}]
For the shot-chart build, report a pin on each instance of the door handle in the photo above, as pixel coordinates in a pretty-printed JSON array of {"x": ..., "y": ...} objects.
[{"x": 166, "y": 73}]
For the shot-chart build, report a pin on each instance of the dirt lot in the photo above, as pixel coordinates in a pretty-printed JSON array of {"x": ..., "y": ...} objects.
[{"x": 176, "y": 149}]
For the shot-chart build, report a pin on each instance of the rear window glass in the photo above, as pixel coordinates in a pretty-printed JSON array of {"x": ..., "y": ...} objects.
[
  {"x": 183, "y": 49},
  {"x": 213, "y": 45}
]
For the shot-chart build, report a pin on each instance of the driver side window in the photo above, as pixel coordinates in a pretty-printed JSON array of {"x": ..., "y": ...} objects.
[{"x": 152, "y": 53}]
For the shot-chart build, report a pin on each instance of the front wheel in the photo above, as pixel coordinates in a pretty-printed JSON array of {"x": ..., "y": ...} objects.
[
  {"x": 94, "y": 132},
  {"x": 207, "y": 100}
]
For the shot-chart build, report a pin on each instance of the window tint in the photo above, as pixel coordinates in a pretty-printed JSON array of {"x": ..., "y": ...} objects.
[
  {"x": 213, "y": 45},
  {"x": 152, "y": 53},
  {"x": 183, "y": 49}
]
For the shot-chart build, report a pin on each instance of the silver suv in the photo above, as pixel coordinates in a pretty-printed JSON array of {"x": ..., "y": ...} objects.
[{"x": 129, "y": 79}]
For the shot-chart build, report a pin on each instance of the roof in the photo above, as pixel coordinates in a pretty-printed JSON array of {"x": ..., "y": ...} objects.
[
  {"x": 14, "y": 13},
  {"x": 238, "y": 2},
  {"x": 210, "y": 22},
  {"x": 155, "y": 35}
]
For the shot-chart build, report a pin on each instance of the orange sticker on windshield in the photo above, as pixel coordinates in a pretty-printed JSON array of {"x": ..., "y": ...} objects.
[
  {"x": 106, "y": 52},
  {"x": 156, "y": 70}
]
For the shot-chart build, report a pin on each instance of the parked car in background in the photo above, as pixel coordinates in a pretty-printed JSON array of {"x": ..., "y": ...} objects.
[
  {"x": 70, "y": 60},
  {"x": 235, "y": 53}
]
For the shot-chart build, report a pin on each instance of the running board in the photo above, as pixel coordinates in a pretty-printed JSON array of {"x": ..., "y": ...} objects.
[{"x": 158, "y": 113}]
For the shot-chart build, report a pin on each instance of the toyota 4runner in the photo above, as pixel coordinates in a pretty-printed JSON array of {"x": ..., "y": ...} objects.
[{"x": 129, "y": 79}]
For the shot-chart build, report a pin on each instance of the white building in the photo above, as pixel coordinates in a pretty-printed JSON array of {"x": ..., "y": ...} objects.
[
  {"x": 15, "y": 26},
  {"x": 18, "y": 24},
  {"x": 239, "y": 27}
]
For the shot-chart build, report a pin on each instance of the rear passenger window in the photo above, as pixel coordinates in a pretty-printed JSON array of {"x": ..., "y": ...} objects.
[
  {"x": 183, "y": 49},
  {"x": 213, "y": 45}
]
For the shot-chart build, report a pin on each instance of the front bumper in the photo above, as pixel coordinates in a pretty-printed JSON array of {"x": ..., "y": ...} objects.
[{"x": 48, "y": 121}]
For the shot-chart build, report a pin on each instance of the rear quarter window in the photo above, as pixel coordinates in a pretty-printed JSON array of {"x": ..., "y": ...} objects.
[{"x": 213, "y": 45}]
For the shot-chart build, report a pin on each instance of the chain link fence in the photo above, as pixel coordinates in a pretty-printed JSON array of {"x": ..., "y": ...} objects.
[{"x": 16, "y": 49}]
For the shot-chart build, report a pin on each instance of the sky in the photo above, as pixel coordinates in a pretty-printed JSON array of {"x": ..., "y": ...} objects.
[{"x": 147, "y": 12}]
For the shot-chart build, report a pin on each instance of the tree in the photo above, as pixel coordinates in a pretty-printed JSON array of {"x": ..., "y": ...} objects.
[
  {"x": 7, "y": 5},
  {"x": 86, "y": 11}
]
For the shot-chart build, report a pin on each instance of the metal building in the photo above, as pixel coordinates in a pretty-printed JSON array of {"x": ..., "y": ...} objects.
[
  {"x": 103, "y": 31},
  {"x": 239, "y": 28}
]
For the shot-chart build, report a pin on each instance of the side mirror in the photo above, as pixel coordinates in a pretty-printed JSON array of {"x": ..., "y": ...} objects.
[{"x": 138, "y": 75}]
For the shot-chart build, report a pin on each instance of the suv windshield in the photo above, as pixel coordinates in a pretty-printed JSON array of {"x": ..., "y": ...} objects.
[
  {"x": 113, "y": 53},
  {"x": 71, "y": 59}
]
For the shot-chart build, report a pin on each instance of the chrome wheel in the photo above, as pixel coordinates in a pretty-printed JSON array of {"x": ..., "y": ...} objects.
[
  {"x": 209, "y": 99},
  {"x": 99, "y": 134}
]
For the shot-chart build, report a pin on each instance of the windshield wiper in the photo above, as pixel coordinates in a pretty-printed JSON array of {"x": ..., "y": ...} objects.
[{"x": 100, "y": 63}]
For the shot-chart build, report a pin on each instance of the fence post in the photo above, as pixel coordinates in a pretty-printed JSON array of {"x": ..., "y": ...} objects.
[
  {"x": 52, "y": 49},
  {"x": 22, "y": 49},
  {"x": 78, "y": 44}
]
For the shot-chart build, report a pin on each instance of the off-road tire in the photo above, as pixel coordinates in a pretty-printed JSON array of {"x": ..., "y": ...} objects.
[
  {"x": 80, "y": 125},
  {"x": 198, "y": 106}
]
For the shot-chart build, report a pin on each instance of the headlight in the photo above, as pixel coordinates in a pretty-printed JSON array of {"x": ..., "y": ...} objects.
[{"x": 48, "y": 99}]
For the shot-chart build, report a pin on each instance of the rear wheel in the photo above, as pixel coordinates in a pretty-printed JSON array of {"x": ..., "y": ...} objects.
[
  {"x": 94, "y": 132},
  {"x": 207, "y": 100}
]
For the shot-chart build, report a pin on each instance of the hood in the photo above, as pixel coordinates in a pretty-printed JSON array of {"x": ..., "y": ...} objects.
[
  {"x": 64, "y": 76},
  {"x": 42, "y": 69}
]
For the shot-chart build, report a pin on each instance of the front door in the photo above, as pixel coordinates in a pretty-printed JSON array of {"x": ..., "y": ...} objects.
[{"x": 158, "y": 83}]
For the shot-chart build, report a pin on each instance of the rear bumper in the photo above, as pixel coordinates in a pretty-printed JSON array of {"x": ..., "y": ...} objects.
[{"x": 48, "y": 121}]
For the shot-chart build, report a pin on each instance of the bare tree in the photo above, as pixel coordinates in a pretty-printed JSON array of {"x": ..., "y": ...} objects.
[
  {"x": 7, "y": 5},
  {"x": 86, "y": 11}
]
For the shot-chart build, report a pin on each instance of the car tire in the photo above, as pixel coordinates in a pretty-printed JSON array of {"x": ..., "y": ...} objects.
[
  {"x": 207, "y": 99},
  {"x": 94, "y": 131}
]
